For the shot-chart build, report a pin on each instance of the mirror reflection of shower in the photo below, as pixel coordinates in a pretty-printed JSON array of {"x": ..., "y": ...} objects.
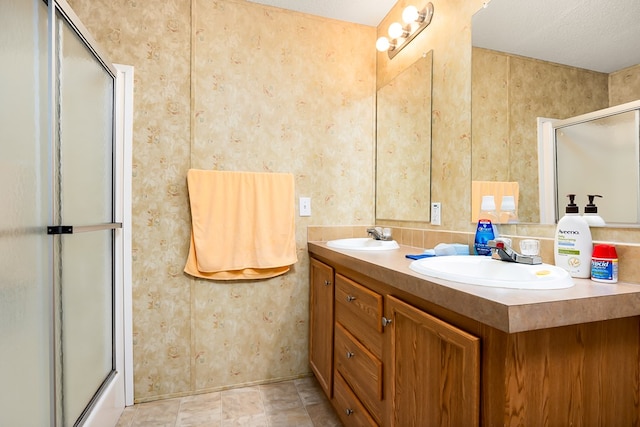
[{"x": 595, "y": 153}]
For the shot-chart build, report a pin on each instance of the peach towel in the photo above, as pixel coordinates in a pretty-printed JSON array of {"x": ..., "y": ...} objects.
[{"x": 242, "y": 224}]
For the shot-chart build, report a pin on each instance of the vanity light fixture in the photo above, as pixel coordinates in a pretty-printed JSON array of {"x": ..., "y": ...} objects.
[
  {"x": 397, "y": 31},
  {"x": 400, "y": 35}
]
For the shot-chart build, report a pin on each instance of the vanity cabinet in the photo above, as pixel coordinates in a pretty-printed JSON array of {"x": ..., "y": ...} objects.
[
  {"x": 452, "y": 355},
  {"x": 393, "y": 364},
  {"x": 321, "y": 289}
]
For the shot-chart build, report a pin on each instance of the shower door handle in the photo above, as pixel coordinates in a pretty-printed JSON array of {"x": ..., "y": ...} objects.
[{"x": 70, "y": 229}]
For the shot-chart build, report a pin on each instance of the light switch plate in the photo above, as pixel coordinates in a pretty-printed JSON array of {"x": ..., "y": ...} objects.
[
  {"x": 436, "y": 213},
  {"x": 305, "y": 206}
]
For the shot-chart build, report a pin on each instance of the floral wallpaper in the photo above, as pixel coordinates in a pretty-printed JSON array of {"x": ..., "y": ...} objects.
[{"x": 232, "y": 85}]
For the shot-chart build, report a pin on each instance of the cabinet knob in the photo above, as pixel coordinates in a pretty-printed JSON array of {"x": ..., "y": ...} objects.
[
  {"x": 350, "y": 355},
  {"x": 349, "y": 411},
  {"x": 350, "y": 298},
  {"x": 327, "y": 282},
  {"x": 386, "y": 322}
]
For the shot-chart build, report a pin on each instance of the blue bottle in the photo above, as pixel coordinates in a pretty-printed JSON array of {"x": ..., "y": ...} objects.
[{"x": 486, "y": 229}]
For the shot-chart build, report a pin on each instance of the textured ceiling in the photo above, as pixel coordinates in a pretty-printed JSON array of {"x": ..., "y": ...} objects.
[{"x": 592, "y": 34}]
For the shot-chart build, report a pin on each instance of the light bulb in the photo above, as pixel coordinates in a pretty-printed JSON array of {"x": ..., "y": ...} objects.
[
  {"x": 410, "y": 14},
  {"x": 383, "y": 44},
  {"x": 396, "y": 31}
]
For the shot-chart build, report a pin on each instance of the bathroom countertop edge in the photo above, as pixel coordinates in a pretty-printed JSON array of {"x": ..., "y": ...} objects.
[{"x": 510, "y": 310}]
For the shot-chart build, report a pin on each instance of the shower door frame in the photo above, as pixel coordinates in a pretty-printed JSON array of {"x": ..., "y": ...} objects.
[{"x": 117, "y": 392}]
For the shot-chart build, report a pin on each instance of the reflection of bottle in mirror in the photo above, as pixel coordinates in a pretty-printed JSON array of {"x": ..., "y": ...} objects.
[
  {"x": 508, "y": 210},
  {"x": 486, "y": 229},
  {"x": 591, "y": 213}
]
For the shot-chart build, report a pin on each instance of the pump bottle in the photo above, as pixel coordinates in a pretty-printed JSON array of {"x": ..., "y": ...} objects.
[
  {"x": 573, "y": 245},
  {"x": 591, "y": 213}
]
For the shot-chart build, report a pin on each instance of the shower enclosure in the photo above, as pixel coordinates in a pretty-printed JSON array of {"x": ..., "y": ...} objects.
[
  {"x": 61, "y": 235},
  {"x": 596, "y": 153}
]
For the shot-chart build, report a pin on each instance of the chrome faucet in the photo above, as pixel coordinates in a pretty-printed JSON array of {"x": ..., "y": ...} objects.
[
  {"x": 500, "y": 250},
  {"x": 378, "y": 233}
]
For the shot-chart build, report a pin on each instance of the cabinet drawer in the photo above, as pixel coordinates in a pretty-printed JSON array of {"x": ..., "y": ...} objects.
[
  {"x": 359, "y": 310},
  {"x": 350, "y": 410},
  {"x": 361, "y": 369}
]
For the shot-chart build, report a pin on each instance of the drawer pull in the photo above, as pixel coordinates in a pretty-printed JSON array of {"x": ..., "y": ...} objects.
[
  {"x": 350, "y": 298},
  {"x": 386, "y": 322},
  {"x": 327, "y": 282},
  {"x": 349, "y": 411},
  {"x": 350, "y": 355}
]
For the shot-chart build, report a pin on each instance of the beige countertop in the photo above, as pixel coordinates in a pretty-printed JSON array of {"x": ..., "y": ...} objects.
[{"x": 510, "y": 310}]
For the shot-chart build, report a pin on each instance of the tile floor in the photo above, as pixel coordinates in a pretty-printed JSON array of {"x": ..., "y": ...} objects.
[{"x": 298, "y": 402}]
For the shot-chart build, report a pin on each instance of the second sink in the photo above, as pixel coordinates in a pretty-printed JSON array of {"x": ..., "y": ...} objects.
[{"x": 484, "y": 271}]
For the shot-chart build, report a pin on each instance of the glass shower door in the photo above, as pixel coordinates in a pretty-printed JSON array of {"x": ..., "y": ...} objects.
[
  {"x": 26, "y": 372},
  {"x": 85, "y": 200},
  {"x": 57, "y": 235}
]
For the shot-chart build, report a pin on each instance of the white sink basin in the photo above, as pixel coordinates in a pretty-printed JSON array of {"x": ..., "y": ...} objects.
[
  {"x": 484, "y": 271},
  {"x": 363, "y": 244}
]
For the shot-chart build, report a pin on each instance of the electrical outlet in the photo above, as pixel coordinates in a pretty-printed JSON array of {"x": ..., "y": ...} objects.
[
  {"x": 305, "y": 206},
  {"x": 436, "y": 213}
]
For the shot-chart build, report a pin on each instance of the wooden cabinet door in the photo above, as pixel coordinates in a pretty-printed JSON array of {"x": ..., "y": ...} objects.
[
  {"x": 435, "y": 370},
  {"x": 321, "y": 288}
]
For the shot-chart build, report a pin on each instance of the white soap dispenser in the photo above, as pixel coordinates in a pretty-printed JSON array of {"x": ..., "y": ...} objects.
[
  {"x": 573, "y": 245},
  {"x": 591, "y": 213}
]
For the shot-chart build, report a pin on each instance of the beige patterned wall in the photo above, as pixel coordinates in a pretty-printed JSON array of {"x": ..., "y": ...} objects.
[
  {"x": 293, "y": 94},
  {"x": 624, "y": 85},
  {"x": 233, "y": 85}
]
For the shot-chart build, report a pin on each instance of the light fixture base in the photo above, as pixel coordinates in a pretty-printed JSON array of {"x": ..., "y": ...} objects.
[{"x": 428, "y": 15}]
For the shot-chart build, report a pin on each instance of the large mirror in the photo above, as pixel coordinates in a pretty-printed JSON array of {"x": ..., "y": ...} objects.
[
  {"x": 403, "y": 144},
  {"x": 549, "y": 60}
]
